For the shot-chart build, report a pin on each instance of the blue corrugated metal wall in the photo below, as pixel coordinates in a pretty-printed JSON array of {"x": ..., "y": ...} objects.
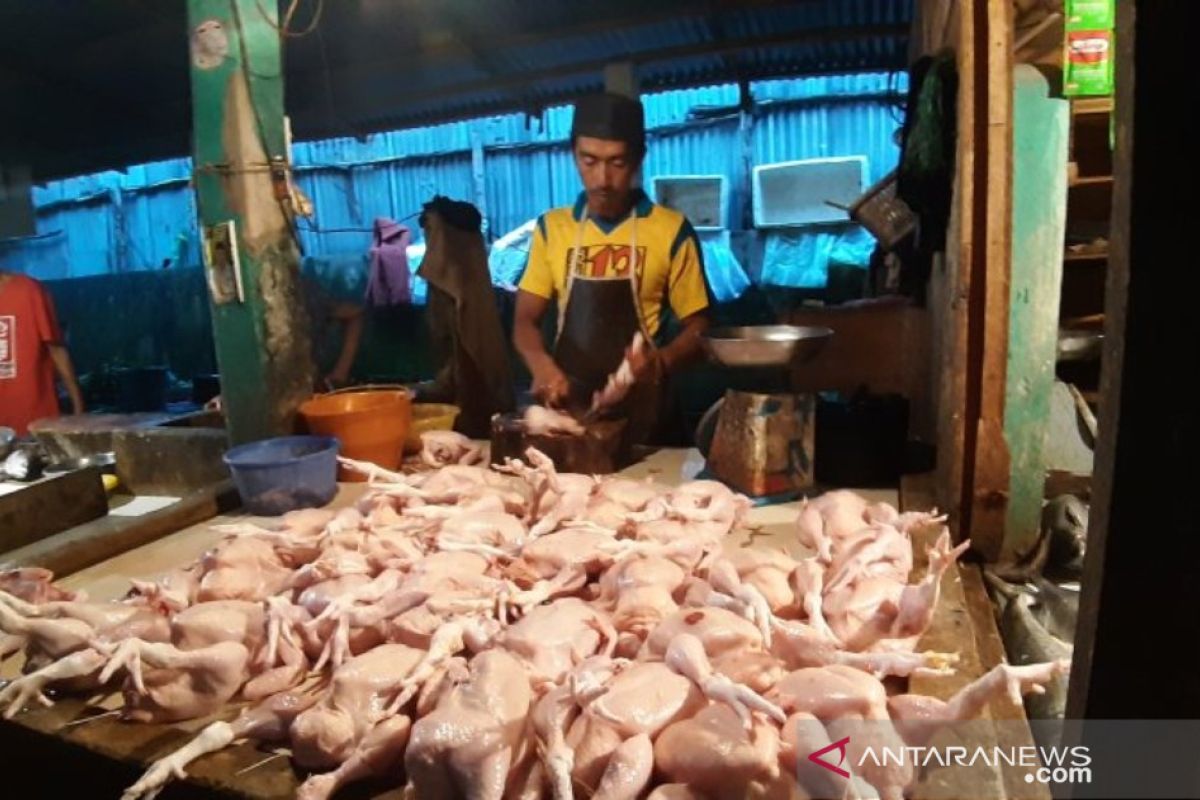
[{"x": 114, "y": 221}]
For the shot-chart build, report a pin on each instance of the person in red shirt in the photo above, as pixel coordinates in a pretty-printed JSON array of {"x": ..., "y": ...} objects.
[{"x": 31, "y": 352}]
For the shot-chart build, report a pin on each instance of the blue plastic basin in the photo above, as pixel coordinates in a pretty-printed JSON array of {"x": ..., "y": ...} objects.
[{"x": 275, "y": 476}]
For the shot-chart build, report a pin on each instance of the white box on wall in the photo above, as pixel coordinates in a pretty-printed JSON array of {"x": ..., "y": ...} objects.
[
  {"x": 796, "y": 193},
  {"x": 703, "y": 199}
]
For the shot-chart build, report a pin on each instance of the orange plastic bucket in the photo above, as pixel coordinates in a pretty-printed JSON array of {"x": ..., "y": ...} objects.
[{"x": 371, "y": 425}]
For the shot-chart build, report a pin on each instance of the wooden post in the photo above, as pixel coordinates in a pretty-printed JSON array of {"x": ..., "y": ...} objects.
[
  {"x": 973, "y": 294},
  {"x": 241, "y": 170},
  {"x": 987, "y": 327},
  {"x": 949, "y": 290}
]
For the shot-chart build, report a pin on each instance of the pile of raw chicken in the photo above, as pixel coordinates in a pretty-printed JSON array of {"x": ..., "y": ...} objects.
[{"x": 516, "y": 632}]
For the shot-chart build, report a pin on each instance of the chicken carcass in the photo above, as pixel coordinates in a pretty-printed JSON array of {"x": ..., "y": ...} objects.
[
  {"x": 328, "y": 733},
  {"x": 61, "y": 641},
  {"x": 542, "y": 421},
  {"x": 242, "y": 568},
  {"x": 182, "y": 684},
  {"x": 639, "y": 591},
  {"x": 622, "y": 379},
  {"x": 269, "y": 721},
  {"x": 829, "y": 703},
  {"x": 879, "y": 610},
  {"x": 769, "y": 571},
  {"x": 442, "y": 448},
  {"x": 466, "y": 746},
  {"x": 731, "y": 642},
  {"x": 33, "y": 585},
  {"x": 714, "y": 752},
  {"x": 552, "y": 639}
]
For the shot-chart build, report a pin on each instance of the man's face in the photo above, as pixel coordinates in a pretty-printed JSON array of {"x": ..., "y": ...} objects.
[{"x": 607, "y": 169}]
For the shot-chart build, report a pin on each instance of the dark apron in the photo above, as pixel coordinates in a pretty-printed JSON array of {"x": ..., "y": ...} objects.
[{"x": 597, "y": 322}]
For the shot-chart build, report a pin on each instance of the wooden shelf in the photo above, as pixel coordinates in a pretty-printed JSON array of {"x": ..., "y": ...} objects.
[
  {"x": 1091, "y": 180},
  {"x": 1086, "y": 255},
  {"x": 1092, "y": 105}
]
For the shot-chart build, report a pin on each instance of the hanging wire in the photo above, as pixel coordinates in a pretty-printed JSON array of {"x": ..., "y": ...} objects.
[
  {"x": 285, "y": 28},
  {"x": 284, "y": 205},
  {"x": 315, "y": 227}
]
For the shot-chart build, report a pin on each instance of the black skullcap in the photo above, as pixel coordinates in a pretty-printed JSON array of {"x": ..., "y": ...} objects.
[
  {"x": 611, "y": 116},
  {"x": 460, "y": 214}
]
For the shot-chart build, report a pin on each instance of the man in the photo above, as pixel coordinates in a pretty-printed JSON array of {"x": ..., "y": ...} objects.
[
  {"x": 331, "y": 361},
  {"x": 31, "y": 352},
  {"x": 465, "y": 330},
  {"x": 610, "y": 262}
]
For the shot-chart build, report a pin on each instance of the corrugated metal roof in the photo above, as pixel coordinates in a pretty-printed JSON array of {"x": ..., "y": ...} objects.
[{"x": 379, "y": 65}]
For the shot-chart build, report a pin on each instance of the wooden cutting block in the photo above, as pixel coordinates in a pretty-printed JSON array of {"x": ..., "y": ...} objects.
[
  {"x": 598, "y": 451},
  {"x": 50, "y": 506}
]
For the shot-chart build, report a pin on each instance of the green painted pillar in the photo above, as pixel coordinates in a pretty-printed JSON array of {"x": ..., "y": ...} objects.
[
  {"x": 241, "y": 167},
  {"x": 1041, "y": 124}
]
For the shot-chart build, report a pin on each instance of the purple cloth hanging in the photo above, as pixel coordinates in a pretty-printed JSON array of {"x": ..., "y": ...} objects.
[{"x": 388, "y": 282}]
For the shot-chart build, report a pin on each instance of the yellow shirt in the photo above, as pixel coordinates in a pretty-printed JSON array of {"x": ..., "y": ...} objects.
[{"x": 669, "y": 261}]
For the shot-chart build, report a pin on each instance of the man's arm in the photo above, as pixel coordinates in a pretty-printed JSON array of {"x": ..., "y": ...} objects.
[
  {"x": 685, "y": 347},
  {"x": 549, "y": 383},
  {"x": 350, "y": 315},
  {"x": 688, "y": 295},
  {"x": 66, "y": 373}
]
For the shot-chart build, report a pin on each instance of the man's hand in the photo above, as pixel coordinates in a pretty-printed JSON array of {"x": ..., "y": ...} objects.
[
  {"x": 337, "y": 378},
  {"x": 550, "y": 384}
]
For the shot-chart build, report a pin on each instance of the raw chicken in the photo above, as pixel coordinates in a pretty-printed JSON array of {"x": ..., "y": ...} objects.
[
  {"x": 520, "y": 632},
  {"x": 848, "y": 702},
  {"x": 61, "y": 641},
  {"x": 900, "y": 616},
  {"x": 268, "y": 721},
  {"x": 769, "y": 571},
  {"x": 33, "y": 585},
  {"x": 716, "y": 754},
  {"x": 639, "y": 591},
  {"x": 183, "y": 684},
  {"x": 442, "y": 448},
  {"x": 242, "y": 568},
  {"x": 542, "y": 421},
  {"x": 552, "y": 639},
  {"x": 621, "y": 380},
  {"x": 465, "y": 747}
]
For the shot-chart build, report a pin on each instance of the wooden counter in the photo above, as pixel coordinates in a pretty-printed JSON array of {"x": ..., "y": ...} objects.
[{"x": 962, "y": 623}]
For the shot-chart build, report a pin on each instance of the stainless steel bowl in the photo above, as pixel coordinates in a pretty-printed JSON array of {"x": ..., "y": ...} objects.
[
  {"x": 765, "y": 345},
  {"x": 106, "y": 462}
]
